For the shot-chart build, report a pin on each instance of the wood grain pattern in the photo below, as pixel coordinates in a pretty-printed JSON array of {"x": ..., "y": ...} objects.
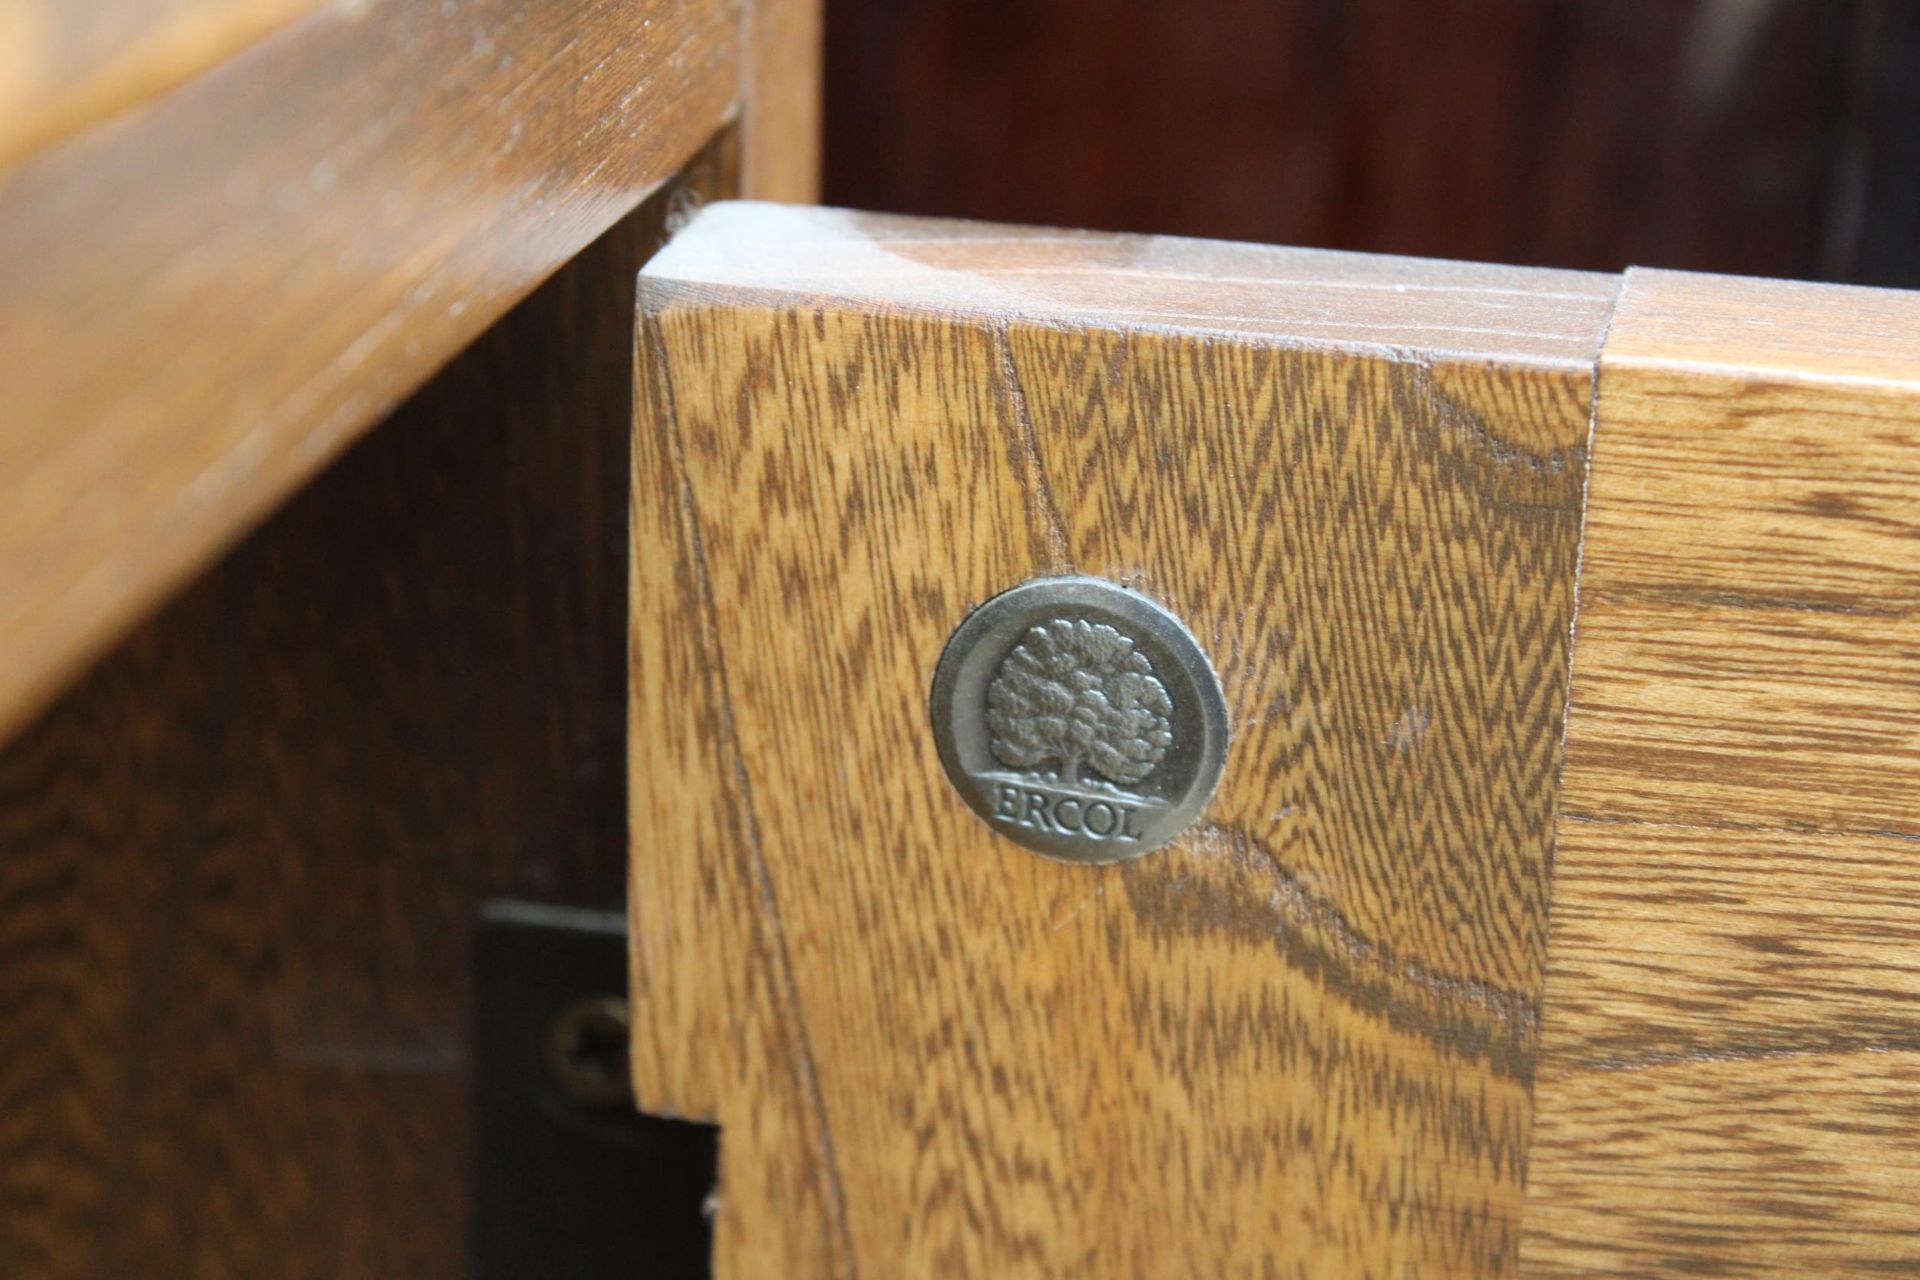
[
  {"x": 239, "y": 862},
  {"x": 207, "y": 299},
  {"x": 1298, "y": 1041},
  {"x": 1730, "y": 1078},
  {"x": 66, "y": 64}
]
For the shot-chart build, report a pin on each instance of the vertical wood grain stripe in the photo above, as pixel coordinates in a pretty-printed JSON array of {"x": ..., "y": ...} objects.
[
  {"x": 1730, "y": 1079},
  {"x": 1300, "y": 1040},
  {"x": 781, "y": 47}
]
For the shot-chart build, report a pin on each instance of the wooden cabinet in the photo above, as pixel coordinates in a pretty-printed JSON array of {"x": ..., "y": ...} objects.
[
  {"x": 362, "y": 558},
  {"x": 1553, "y": 914}
]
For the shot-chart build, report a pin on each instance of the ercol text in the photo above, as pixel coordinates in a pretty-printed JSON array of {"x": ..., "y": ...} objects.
[{"x": 1097, "y": 819}]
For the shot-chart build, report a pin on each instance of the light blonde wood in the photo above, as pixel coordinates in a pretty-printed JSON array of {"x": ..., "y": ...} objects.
[
  {"x": 67, "y": 64},
  {"x": 1730, "y": 1078},
  {"x": 780, "y": 143},
  {"x": 207, "y": 299},
  {"x": 1297, "y": 1041}
]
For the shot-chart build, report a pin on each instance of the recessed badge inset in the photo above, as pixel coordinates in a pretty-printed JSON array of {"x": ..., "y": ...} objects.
[{"x": 1080, "y": 719}]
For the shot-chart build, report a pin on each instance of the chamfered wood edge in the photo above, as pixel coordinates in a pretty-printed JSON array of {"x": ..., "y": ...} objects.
[
  {"x": 744, "y": 252},
  {"x": 780, "y": 116},
  {"x": 1757, "y": 329},
  {"x": 213, "y": 295}
]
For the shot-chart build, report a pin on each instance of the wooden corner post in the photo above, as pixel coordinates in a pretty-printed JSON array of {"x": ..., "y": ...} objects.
[{"x": 1300, "y": 1039}]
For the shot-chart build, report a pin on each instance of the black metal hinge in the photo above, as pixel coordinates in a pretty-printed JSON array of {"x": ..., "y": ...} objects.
[{"x": 570, "y": 1180}]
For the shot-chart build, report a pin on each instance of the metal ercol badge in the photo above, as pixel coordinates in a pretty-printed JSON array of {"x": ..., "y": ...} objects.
[{"x": 1080, "y": 719}]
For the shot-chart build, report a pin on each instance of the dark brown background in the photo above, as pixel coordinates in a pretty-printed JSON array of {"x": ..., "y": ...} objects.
[
  {"x": 1771, "y": 137},
  {"x": 239, "y": 862}
]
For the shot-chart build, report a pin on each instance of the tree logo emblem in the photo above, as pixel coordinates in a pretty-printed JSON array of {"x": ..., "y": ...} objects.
[
  {"x": 1075, "y": 695},
  {"x": 1080, "y": 718}
]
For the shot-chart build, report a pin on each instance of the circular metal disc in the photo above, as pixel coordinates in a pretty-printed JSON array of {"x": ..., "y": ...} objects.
[{"x": 1080, "y": 719}]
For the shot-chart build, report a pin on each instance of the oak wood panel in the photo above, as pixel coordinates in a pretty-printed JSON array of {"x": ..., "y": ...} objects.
[
  {"x": 1299, "y": 1040},
  {"x": 1729, "y": 1081},
  {"x": 208, "y": 298},
  {"x": 1778, "y": 1165},
  {"x": 65, "y": 64},
  {"x": 239, "y": 862}
]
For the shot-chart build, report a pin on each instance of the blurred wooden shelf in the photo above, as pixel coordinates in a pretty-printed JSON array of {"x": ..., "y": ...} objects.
[{"x": 235, "y": 233}]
